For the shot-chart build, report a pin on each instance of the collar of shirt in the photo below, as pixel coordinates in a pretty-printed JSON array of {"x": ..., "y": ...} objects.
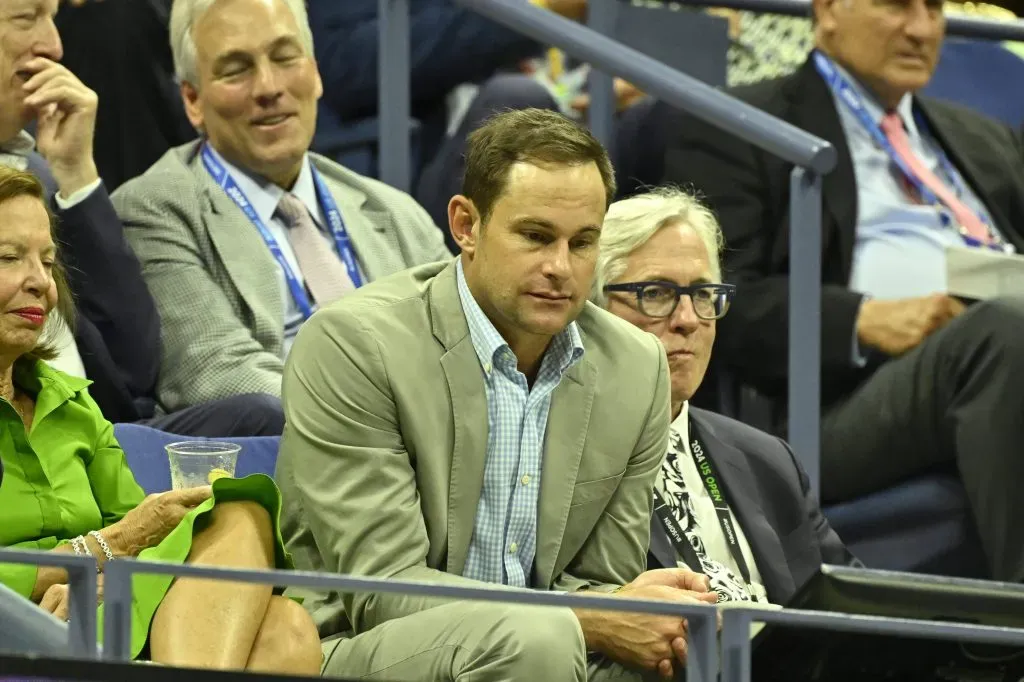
[
  {"x": 491, "y": 348},
  {"x": 22, "y": 144},
  {"x": 681, "y": 424},
  {"x": 905, "y": 108},
  {"x": 50, "y": 387},
  {"x": 15, "y": 152},
  {"x": 265, "y": 196}
]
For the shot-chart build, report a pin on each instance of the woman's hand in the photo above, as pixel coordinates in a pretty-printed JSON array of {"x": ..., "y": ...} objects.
[
  {"x": 148, "y": 524},
  {"x": 55, "y": 600}
]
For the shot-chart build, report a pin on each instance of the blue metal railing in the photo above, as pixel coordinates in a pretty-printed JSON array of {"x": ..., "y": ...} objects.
[
  {"x": 705, "y": 660},
  {"x": 79, "y": 634}
]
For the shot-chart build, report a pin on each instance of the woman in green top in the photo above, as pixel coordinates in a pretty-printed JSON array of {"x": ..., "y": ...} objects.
[{"x": 67, "y": 488}]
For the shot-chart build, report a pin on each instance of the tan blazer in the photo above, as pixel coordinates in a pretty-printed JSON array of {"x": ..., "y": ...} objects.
[
  {"x": 382, "y": 459},
  {"x": 216, "y": 284}
]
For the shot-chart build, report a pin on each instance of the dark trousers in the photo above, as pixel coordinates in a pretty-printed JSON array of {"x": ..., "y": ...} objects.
[
  {"x": 254, "y": 414},
  {"x": 957, "y": 400}
]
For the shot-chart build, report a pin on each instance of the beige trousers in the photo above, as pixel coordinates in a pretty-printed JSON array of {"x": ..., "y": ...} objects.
[{"x": 473, "y": 642}]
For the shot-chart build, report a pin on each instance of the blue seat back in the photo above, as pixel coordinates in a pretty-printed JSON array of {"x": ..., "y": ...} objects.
[
  {"x": 924, "y": 525},
  {"x": 978, "y": 74},
  {"x": 144, "y": 449}
]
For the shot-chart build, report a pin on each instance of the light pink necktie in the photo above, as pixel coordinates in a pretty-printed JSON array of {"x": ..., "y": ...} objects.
[
  {"x": 892, "y": 126},
  {"x": 325, "y": 274}
]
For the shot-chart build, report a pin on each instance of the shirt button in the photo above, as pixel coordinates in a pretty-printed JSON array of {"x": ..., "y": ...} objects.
[
  {"x": 512, "y": 548},
  {"x": 487, "y": 368},
  {"x": 525, "y": 480}
]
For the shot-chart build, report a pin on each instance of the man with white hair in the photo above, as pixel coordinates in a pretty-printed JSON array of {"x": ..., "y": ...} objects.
[
  {"x": 730, "y": 501},
  {"x": 244, "y": 233}
]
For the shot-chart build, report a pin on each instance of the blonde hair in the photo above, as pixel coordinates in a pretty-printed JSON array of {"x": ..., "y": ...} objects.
[
  {"x": 14, "y": 184},
  {"x": 185, "y": 14},
  {"x": 630, "y": 223}
]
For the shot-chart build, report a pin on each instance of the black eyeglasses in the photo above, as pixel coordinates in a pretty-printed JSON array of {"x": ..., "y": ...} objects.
[{"x": 660, "y": 299}]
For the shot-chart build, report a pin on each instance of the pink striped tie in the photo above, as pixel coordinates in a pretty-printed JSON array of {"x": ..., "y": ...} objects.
[
  {"x": 325, "y": 274},
  {"x": 892, "y": 125}
]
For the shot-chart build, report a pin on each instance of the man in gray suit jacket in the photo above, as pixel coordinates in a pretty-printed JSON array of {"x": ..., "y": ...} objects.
[
  {"x": 243, "y": 233},
  {"x": 479, "y": 422}
]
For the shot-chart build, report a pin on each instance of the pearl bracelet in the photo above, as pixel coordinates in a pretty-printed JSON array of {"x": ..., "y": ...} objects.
[
  {"x": 103, "y": 545},
  {"x": 78, "y": 544}
]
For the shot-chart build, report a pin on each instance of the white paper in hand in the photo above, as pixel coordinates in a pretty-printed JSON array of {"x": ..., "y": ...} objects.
[{"x": 980, "y": 274}]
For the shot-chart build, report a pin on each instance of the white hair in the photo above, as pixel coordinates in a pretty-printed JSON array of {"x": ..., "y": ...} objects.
[
  {"x": 630, "y": 223},
  {"x": 185, "y": 14}
]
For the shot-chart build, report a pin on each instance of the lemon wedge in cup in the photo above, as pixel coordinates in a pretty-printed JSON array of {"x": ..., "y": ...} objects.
[{"x": 217, "y": 473}]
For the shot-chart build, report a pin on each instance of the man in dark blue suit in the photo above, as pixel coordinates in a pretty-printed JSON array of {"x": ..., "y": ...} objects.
[
  {"x": 449, "y": 46},
  {"x": 730, "y": 501},
  {"x": 117, "y": 329}
]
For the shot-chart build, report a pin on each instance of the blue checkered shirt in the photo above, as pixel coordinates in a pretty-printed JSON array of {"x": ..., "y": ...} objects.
[{"x": 505, "y": 530}]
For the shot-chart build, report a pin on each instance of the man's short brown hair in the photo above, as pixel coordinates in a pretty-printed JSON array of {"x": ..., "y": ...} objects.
[{"x": 533, "y": 136}]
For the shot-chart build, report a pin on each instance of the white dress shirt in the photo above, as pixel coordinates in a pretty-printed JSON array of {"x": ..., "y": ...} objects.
[
  {"x": 264, "y": 197},
  {"x": 681, "y": 486}
]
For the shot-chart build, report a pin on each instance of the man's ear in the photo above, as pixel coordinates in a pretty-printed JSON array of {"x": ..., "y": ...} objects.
[
  {"x": 464, "y": 223},
  {"x": 190, "y": 97}
]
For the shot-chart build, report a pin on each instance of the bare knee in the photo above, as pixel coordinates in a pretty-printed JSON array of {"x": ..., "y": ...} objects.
[
  {"x": 287, "y": 642},
  {"x": 242, "y": 524}
]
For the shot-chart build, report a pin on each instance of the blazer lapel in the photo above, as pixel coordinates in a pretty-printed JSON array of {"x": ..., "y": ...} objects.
[
  {"x": 566, "y": 435},
  {"x": 814, "y": 110},
  {"x": 980, "y": 172},
  {"x": 246, "y": 258},
  {"x": 745, "y": 501},
  {"x": 661, "y": 549},
  {"x": 466, "y": 387}
]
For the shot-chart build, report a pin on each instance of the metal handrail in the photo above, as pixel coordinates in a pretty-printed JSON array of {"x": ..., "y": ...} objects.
[
  {"x": 81, "y": 628},
  {"x": 656, "y": 78},
  {"x": 702, "y": 620}
]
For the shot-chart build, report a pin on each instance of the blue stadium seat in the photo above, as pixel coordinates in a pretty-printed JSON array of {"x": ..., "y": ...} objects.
[
  {"x": 976, "y": 73},
  {"x": 144, "y": 449},
  {"x": 924, "y": 526}
]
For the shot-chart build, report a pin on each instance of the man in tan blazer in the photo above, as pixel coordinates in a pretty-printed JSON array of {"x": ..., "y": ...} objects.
[
  {"x": 479, "y": 422},
  {"x": 222, "y": 277}
]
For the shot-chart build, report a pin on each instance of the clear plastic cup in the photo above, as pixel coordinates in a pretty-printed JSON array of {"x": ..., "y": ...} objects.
[{"x": 196, "y": 463}]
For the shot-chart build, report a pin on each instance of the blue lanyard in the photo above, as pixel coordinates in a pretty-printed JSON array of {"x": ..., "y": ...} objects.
[
  {"x": 337, "y": 226},
  {"x": 845, "y": 92}
]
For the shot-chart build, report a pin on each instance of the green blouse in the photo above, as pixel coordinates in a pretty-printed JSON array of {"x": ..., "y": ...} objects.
[{"x": 64, "y": 477}]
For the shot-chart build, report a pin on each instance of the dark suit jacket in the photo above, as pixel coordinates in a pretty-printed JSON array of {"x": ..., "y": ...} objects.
[
  {"x": 449, "y": 45},
  {"x": 749, "y": 190},
  {"x": 771, "y": 498},
  {"x": 117, "y": 326},
  {"x": 121, "y": 49}
]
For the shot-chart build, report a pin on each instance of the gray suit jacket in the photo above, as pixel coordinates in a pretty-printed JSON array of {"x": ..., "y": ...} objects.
[
  {"x": 216, "y": 284},
  {"x": 382, "y": 459}
]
